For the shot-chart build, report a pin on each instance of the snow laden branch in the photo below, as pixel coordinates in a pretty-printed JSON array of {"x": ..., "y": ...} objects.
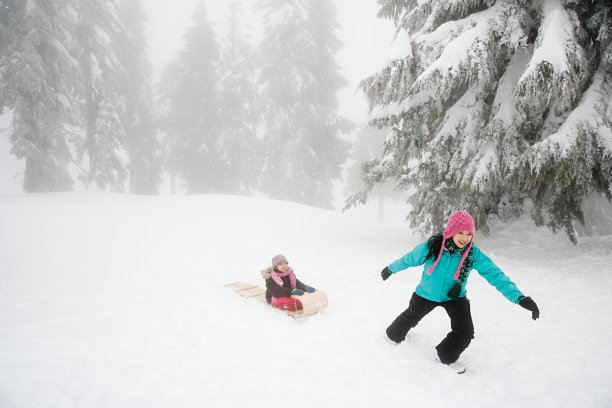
[{"x": 500, "y": 108}]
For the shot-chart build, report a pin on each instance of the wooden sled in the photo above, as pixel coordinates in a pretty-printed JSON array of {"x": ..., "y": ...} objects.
[
  {"x": 248, "y": 290},
  {"x": 311, "y": 302}
]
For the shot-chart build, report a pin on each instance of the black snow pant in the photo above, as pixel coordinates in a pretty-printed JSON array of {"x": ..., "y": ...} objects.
[{"x": 462, "y": 328}]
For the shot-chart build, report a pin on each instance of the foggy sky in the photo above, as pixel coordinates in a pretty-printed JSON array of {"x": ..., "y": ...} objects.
[{"x": 364, "y": 36}]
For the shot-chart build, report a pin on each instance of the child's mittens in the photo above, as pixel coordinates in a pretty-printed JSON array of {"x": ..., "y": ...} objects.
[
  {"x": 297, "y": 292},
  {"x": 385, "y": 273},
  {"x": 529, "y": 304},
  {"x": 309, "y": 289}
]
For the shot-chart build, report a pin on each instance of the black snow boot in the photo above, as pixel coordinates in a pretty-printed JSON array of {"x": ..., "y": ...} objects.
[{"x": 398, "y": 329}]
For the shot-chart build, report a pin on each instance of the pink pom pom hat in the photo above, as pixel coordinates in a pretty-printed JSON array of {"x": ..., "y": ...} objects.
[{"x": 459, "y": 221}]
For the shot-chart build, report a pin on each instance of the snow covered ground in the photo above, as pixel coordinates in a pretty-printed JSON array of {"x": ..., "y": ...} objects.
[{"x": 113, "y": 300}]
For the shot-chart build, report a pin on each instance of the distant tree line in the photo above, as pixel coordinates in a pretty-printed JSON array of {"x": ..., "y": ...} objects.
[{"x": 228, "y": 116}]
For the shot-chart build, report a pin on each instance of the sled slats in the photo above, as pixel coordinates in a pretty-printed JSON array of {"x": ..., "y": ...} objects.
[
  {"x": 238, "y": 286},
  {"x": 248, "y": 290},
  {"x": 252, "y": 292}
]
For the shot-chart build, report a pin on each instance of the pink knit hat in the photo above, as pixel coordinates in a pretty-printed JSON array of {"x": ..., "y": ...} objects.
[
  {"x": 277, "y": 260},
  {"x": 459, "y": 221}
]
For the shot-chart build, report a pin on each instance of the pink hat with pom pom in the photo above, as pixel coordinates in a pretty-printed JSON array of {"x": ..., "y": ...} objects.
[{"x": 459, "y": 221}]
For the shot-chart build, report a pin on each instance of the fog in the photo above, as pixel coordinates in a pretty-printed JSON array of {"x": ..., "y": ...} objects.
[
  {"x": 319, "y": 155},
  {"x": 365, "y": 40}
]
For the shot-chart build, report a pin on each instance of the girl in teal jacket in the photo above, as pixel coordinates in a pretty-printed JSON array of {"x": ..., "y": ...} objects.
[{"x": 448, "y": 263}]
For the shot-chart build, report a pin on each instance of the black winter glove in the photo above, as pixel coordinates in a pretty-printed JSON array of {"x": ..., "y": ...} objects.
[
  {"x": 385, "y": 273},
  {"x": 529, "y": 304}
]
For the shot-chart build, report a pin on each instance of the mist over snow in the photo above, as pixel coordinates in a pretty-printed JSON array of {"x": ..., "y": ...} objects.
[{"x": 111, "y": 300}]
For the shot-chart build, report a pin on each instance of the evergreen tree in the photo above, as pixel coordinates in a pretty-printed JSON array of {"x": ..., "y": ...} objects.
[
  {"x": 191, "y": 109},
  {"x": 99, "y": 33},
  {"x": 138, "y": 118},
  {"x": 504, "y": 106},
  {"x": 299, "y": 80},
  {"x": 36, "y": 81},
  {"x": 239, "y": 113}
]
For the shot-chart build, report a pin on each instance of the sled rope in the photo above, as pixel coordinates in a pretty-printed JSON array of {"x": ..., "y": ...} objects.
[{"x": 355, "y": 282}]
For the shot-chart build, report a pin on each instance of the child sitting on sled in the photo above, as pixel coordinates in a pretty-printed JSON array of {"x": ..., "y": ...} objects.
[{"x": 281, "y": 284}]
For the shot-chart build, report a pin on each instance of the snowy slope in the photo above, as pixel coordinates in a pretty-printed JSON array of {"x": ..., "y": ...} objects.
[{"x": 118, "y": 301}]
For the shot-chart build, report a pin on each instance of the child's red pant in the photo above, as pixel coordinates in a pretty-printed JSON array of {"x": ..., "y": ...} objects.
[{"x": 287, "y": 303}]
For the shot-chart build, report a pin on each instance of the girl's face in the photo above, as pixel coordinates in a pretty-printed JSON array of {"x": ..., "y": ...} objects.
[
  {"x": 462, "y": 238},
  {"x": 283, "y": 267}
]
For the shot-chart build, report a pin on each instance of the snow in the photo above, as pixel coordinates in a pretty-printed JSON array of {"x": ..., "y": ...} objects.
[
  {"x": 504, "y": 99},
  {"x": 584, "y": 114},
  {"x": 453, "y": 47},
  {"x": 462, "y": 42},
  {"x": 401, "y": 47},
  {"x": 605, "y": 133},
  {"x": 553, "y": 31},
  {"x": 111, "y": 300},
  {"x": 489, "y": 159}
]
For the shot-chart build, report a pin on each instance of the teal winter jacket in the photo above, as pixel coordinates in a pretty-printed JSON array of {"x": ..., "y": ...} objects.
[{"x": 436, "y": 286}]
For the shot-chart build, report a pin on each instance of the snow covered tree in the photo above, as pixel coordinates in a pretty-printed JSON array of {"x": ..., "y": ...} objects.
[
  {"x": 497, "y": 107},
  {"x": 98, "y": 34},
  {"x": 239, "y": 112},
  {"x": 138, "y": 118},
  {"x": 37, "y": 76},
  {"x": 190, "y": 109},
  {"x": 299, "y": 81}
]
